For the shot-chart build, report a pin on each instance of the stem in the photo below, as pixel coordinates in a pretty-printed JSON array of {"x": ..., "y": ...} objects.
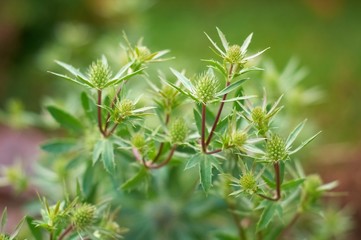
[
  {"x": 165, "y": 162},
  {"x": 217, "y": 117},
  {"x": 100, "y": 113},
  {"x": 276, "y": 166},
  {"x": 167, "y": 116},
  {"x": 204, "y": 146},
  {"x": 66, "y": 232},
  {"x": 214, "y": 151},
  {"x": 112, "y": 130}
]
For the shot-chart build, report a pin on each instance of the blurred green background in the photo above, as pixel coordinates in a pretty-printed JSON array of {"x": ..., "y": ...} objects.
[{"x": 325, "y": 36}]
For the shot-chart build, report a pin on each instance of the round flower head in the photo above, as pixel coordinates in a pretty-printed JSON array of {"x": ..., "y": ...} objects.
[
  {"x": 143, "y": 53},
  {"x": 99, "y": 74},
  {"x": 138, "y": 141},
  {"x": 83, "y": 216},
  {"x": 178, "y": 131},
  {"x": 206, "y": 87},
  {"x": 276, "y": 149},
  {"x": 239, "y": 139},
  {"x": 124, "y": 108},
  {"x": 234, "y": 54},
  {"x": 248, "y": 183}
]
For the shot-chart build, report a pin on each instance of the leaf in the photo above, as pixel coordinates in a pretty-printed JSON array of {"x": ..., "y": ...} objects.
[
  {"x": 35, "y": 231},
  {"x": 88, "y": 180},
  {"x": 59, "y": 145},
  {"x": 181, "y": 91},
  {"x": 71, "y": 69},
  {"x": 185, "y": 81},
  {"x": 193, "y": 161},
  {"x": 84, "y": 84},
  {"x": 266, "y": 216},
  {"x": 239, "y": 98},
  {"x": 97, "y": 151},
  {"x": 116, "y": 81},
  {"x": 205, "y": 172},
  {"x": 216, "y": 65},
  {"x": 231, "y": 87},
  {"x": 255, "y": 55},
  {"x": 293, "y": 135},
  {"x": 215, "y": 45},
  {"x": 65, "y": 119},
  {"x": 198, "y": 120},
  {"x": 328, "y": 186},
  {"x": 223, "y": 39},
  {"x": 304, "y": 143},
  {"x": 292, "y": 184},
  {"x": 108, "y": 156},
  {"x": 4, "y": 219},
  {"x": 136, "y": 180},
  {"x": 17, "y": 229},
  {"x": 246, "y": 43},
  {"x": 87, "y": 106}
]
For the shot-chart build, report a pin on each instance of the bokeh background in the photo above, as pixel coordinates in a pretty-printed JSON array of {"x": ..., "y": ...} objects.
[{"x": 324, "y": 35}]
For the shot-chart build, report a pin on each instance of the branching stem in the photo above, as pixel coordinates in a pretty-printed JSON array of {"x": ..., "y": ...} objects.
[
  {"x": 276, "y": 166},
  {"x": 100, "y": 113},
  {"x": 66, "y": 232}
]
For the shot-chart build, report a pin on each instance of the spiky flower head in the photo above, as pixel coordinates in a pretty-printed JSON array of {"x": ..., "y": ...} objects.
[
  {"x": 143, "y": 53},
  {"x": 259, "y": 118},
  {"x": 206, "y": 87},
  {"x": 239, "y": 139},
  {"x": 276, "y": 149},
  {"x": 99, "y": 74},
  {"x": 234, "y": 54},
  {"x": 124, "y": 108},
  {"x": 178, "y": 131},
  {"x": 138, "y": 141},
  {"x": 248, "y": 183},
  {"x": 83, "y": 216}
]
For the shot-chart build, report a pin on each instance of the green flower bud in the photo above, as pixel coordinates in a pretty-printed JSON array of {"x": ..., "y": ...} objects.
[
  {"x": 276, "y": 149},
  {"x": 259, "y": 118},
  {"x": 138, "y": 141},
  {"x": 124, "y": 109},
  {"x": 83, "y": 216},
  {"x": 178, "y": 131},
  {"x": 239, "y": 139},
  {"x": 233, "y": 54},
  {"x": 99, "y": 74},
  {"x": 248, "y": 183},
  {"x": 206, "y": 87}
]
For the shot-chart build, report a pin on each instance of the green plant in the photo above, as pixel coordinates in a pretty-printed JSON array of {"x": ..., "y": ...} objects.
[{"x": 134, "y": 155}]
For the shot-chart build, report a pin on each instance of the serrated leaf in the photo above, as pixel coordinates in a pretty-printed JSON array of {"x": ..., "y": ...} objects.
[
  {"x": 35, "y": 231},
  {"x": 193, "y": 161},
  {"x": 205, "y": 172},
  {"x": 266, "y": 216},
  {"x": 292, "y": 184},
  {"x": 108, "y": 156},
  {"x": 136, "y": 180},
  {"x": 59, "y": 146},
  {"x": 185, "y": 81},
  {"x": 295, "y": 132},
  {"x": 231, "y": 87},
  {"x": 65, "y": 119},
  {"x": 97, "y": 151},
  {"x": 304, "y": 143}
]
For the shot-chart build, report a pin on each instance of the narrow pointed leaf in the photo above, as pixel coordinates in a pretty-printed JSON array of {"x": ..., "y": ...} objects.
[
  {"x": 223, "y": 39},
  {"x": 292, "y": 184},
  {"x": 255, "y": 55},
  {"x": 122, "y": 71},
  {"x": 231, "y": 87},
  {"x": 215, "y": 45},
  {"x": 328, "y": 186},
  {"x": 274, "y": 106},
  {"x": 35, "y": 231},
  {"x": 65, "y": 119},
  {"x": 293, "y": 135},
  {"x": 87, "y": 84},
  {"x": 185, "y": 81},
  {"x": 266, "y": 216},
  {"x": 182, "y": 91},
  {"x": 4, "y": 219},
  {"x": 246, "y": 43},
  {"x": 239, "y": 98},
  {"x": 304, "y": 143},
  {"x": 118, "y": 80},
  {"x": 17, "y": 229},
  {"x": 59, "y": 145},
  {"x": 216, "y": 65},
  {"x": 97, "y": 151},
  {"x": 193, "y": 161},
  {"x": 135, "y": 181},
  {"x": 71, "y": 69}
]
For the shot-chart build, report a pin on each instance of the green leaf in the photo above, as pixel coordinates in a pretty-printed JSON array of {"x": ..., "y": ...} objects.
[
  {"x": 266, "y": 216},
  {"x": 205, "y": 172},
  {"x": 231, "y": 87},
  {"x": 97, "y": 151},
  {"x": 122, "y": 71},
  {"x": 198, "y": 120},
  {"x": 215, "y": 45},
  {"x": 4, "y": 219},
  {"x": 108, "y": 156},
  {"x": 133, "y": 182},
  {"x": 71, "y": 69},
  {"x": 185, "y": 81},
  {"x": 328, "y": 186},
  {"x": 88, "y": 106},
  {"x": 65, "y": 119},
  {"x": 59, "y": 145},
  {"x": 193, "y": 161},
  {"x": 304, "y": 144},
  {"x": 223, "y": 39},
  {"x": 246, "y": 44},
  {"x": 117, "y": 81},
  {"x": 84, "y": 84},
  {"x": 216, "y": 65},
  {"x": 293, "y": 135},
  {"x": 290, "y": 185},
  {"x": 17, "y": 229},
  {"x": 88, "y": 180},
  {"x": 239, "y": 98},
  {"x": 255, "y": 55},
  {"x": 35, "y": 231}
]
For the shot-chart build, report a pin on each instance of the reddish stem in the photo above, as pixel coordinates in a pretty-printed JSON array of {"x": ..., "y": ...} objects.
[
  {"x": 66, "y": 232},
  {"x": 276, "y": 166},
  {"x": 112, "y": 105},
  {"x": 151, "y": 165},
  {"x": 100, "y": 112},
  {"x": 203, "y": 130},
  {"x": 214, "y": 151}
]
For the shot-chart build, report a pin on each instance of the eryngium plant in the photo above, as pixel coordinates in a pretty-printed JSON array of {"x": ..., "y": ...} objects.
[{"x": 242, "y": 178}]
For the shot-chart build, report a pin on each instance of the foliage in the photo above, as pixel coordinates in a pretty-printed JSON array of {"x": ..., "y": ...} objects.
[{"x": 120, "y": 152}]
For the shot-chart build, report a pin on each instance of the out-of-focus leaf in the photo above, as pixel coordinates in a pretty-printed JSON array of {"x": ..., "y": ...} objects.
[
  {"x": 134, "y": 182},
  {"x": 108, "y": 156},
  {"x": 293, "y": 135},
  {"x": 292, "y": 184},
  {"x": 304, "y": 144},
  {"x": 65, "y": 119},
  {"x": 97, "y": 151},
  {"x": 266, "y": 216},
  {"x": 59, "y": 145},
  {"x": 205, "y": 172},
  {"x": 35, "y": 231}
]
